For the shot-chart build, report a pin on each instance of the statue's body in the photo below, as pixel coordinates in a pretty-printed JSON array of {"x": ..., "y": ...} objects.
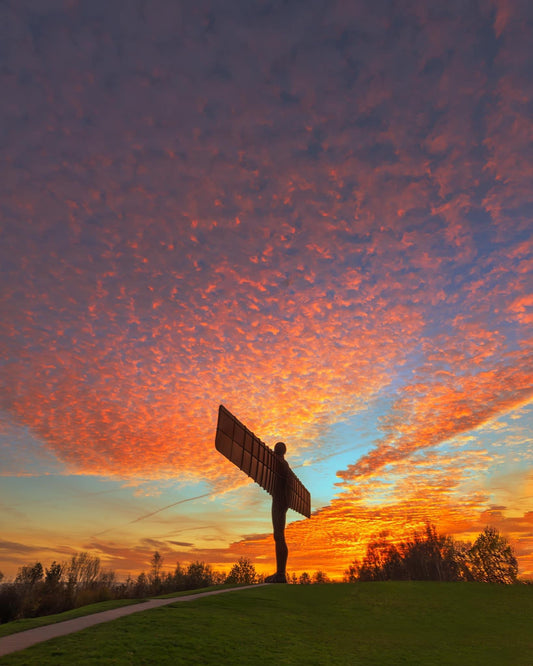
[
  {"x": 271, "y": 471},
  {"x": 280, "y": 504}
]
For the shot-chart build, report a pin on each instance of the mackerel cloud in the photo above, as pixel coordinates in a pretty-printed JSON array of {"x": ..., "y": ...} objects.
[{"x": 288, "y": 209}]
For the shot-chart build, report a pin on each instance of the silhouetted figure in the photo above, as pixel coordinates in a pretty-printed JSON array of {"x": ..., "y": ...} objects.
[
  {"x": 280, "y": 504},
  {"x": 271, "y": 471}
]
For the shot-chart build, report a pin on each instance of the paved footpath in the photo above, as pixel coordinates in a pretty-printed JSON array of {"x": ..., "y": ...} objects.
[{"x": 25, "y": 639}]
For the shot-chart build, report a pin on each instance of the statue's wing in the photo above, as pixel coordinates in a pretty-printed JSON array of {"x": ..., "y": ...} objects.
[
  {"x": 249, "y": 453},
  {"x": 300, "y": 497}
]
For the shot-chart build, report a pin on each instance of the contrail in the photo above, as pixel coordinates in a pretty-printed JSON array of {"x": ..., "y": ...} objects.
[
  {"x": 169, "y": 506},
  {"x": 153, "y": 513},
  {"x": 216, "y": 492},
  {"x": 325, "y": 457}
]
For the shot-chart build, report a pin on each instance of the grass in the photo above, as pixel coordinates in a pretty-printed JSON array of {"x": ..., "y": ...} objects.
[
  {"x": 369, "y": 623},
  {"x": 224, "y": 586},
  {"x": 31, "y": 623}
]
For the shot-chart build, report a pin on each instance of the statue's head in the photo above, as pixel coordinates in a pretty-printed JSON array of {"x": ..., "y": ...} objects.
[{"x": 280, "y": 449}]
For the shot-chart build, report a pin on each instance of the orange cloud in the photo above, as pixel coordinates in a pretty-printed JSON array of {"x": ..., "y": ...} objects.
[{"x": 428, "y": 415}]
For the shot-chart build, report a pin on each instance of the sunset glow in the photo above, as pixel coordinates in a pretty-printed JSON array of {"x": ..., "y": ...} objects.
[{"x": 318, "y": 214}]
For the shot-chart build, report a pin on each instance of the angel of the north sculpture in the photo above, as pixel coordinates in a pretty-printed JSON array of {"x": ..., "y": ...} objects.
[{"x": 271, "y": 471}]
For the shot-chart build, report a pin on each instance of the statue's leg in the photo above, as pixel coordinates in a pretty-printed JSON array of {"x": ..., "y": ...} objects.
[{"x": 278, "y": 521}]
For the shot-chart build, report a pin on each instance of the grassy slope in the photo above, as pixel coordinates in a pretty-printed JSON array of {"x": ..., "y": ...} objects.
[
  {"x": 32, "y": 622},
  {"x": 373, "y": 623}
]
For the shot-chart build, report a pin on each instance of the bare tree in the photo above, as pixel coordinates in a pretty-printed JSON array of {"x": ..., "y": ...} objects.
[
  {"x": 82, "y": 570},
  {"x": 379, "y": 554},
  {"x": 156, "y": 564},
  {"x": 429, "y": 556}
]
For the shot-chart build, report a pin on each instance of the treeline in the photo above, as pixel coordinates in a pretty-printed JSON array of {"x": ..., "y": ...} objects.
[
  {"x": 38, "y": 591},
  {"x": 317, "y": 578},
  {"x": 431, "y": 556}
]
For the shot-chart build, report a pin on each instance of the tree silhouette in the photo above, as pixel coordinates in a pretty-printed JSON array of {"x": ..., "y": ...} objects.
[
  {"x": 81, "y": 581},
  {"x": 154, "y": 576},
  {"x": 492, "y": 559},
  {"x": 179, "y": 577},
  {"x": 82, "y": 571},
  {"x": 352, "y": 572},
  {"x": 431, "y": 556},
  {"x": 199, "y": 574},
  {"x": 30, "y": 575},
  {"x": 320, "y": 577},
  {"x": 381, "y": 562},
  {"x": 53, "y": 575},
  {"x": 242, "y": 573}
]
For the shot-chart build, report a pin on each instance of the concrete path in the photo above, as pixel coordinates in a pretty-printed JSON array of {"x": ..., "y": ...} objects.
[{"x": 25, "y": 639}]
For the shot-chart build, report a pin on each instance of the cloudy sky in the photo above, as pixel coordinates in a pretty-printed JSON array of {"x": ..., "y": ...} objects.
[{"x": 316, "y": 213}]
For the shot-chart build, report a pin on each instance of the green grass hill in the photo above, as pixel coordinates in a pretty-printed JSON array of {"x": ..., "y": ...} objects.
[{"x": 363, "y": 623}]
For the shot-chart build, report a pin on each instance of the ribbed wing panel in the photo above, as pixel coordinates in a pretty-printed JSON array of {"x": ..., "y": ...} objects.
[{"x": 256, "y": 459}]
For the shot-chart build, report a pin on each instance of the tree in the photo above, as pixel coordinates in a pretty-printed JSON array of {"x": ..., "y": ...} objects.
[
  {"x": 199, "y": 574},
  {"x": 180, "y": 577},
  {"x": 53, "y": 598},
  {"x": 28, "y": 584},
  {"x": 430, "y": 556},
  {"x": 491, "y": 558},
  {"x": 461, "y": 557},
  {"x": 320, "y": 577},
  {"x": 242, "y": 573},
  {"x": 30, "y": 575},
  {"x": 53, "y": 575},
  {"x": 305, "y": 578},
  {"x": 11, "y": 602},
  {"x": 352, "y": 572},
  {"x": 82, "y": 570},
  {"x": 155, "y": 570},
  {"x": 141, "y": 585},
  {"x": 374, "y": 566},
  {"x": 426, "y": 556}
]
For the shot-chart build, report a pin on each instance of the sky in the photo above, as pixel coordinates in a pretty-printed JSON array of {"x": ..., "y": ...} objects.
[{"x": 318, "y": 214}]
